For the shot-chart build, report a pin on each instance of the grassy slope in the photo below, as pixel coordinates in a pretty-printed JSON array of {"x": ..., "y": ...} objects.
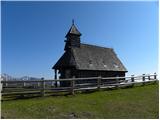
[{"x": 137, "y": 102}]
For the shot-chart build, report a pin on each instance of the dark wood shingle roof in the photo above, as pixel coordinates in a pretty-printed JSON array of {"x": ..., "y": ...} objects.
[{"x": 91, "y": 57}]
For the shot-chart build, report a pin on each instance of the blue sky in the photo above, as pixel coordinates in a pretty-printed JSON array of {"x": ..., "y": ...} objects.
[{"x": 33, "y": 33}]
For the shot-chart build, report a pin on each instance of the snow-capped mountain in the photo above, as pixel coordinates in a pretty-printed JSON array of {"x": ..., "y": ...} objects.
[{"x": 6, "y": 77}]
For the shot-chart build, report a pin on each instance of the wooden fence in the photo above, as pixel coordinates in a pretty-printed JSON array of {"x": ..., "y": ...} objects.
[{"x": 43, "y": 87}]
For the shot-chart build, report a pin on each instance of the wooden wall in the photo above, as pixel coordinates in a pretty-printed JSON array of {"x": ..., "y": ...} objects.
[{"x": 89, "y": 73}]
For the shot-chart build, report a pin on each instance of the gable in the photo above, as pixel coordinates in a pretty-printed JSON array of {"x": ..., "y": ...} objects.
[{"x": 66, "y": 60}]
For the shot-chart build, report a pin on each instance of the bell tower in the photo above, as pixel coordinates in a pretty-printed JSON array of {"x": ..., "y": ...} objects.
[{"x": 72, "y": 37}]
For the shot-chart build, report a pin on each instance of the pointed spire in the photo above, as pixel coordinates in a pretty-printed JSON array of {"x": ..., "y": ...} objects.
[{"x": 73, "y": 30}]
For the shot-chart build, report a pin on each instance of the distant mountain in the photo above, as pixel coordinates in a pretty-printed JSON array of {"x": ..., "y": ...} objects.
[
  {"x": 5, "y": 76},
  {"x": 29, "y": 78}
]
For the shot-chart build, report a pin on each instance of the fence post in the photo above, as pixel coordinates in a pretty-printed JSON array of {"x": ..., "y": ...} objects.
[
  {"x": 6, "y": 84},
  {"x": 149, "y": 77},
  {"x": 155, "y": 76},
  {"x": 38, "y": 84},
  {"x": 72, "y": 85},
  {"x": 132, "y": 79},
  {"x": 117, "y": 81},
  {"x": 99, "y": 83},
  {"x": 52, "y": 84},
  {"x": 143, "y": 79},
  {"x": 1, "y": 86},
  {"x": 24, "y": 84},
  {"x": 42, "y": 87}
]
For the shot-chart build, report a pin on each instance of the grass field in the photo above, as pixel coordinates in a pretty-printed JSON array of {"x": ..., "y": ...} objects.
[{"x": 136, "y": 102}]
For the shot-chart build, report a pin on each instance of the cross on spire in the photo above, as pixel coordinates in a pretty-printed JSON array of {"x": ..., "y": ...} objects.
[{"x": 72, "y": 21}]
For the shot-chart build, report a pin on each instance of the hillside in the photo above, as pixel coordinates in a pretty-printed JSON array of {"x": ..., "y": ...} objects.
[{"x": 136, "y": 102}]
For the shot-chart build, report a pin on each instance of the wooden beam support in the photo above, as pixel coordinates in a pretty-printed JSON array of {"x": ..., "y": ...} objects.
[{"x": 55, "y": 77}]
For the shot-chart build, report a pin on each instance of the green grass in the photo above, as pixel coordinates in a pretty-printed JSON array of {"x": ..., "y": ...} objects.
[{"x": 136, "y": 102}]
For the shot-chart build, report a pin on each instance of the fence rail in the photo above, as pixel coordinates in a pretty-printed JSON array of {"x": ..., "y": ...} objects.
[{"x": 42, "y": 87}]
